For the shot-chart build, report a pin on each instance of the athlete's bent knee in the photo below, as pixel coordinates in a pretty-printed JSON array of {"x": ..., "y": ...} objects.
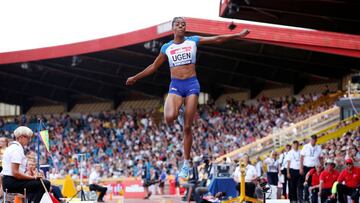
[{"x": 170, "y": 119}]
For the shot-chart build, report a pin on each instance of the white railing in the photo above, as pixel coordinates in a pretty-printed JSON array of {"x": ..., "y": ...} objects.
[
  {"x": 309, "y": 126},
  {"x": 286, "y": 135}
]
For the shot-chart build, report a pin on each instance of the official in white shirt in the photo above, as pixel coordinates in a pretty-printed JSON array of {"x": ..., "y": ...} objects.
[
  {"x": 94, "y": 183},
  {"x": 310, "y": 156},
  {"x": 283, "y": 166},
  {"x": 272, "y": 164},
  {"x": 250, "y": 177},
  {"x": 14, "y": 165},
  {"x": 293, "y": 174},
  {"x": 259, "y": 166}
]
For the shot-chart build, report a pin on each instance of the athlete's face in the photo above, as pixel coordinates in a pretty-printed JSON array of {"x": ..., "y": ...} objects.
[{"x": 179, "y": 27}]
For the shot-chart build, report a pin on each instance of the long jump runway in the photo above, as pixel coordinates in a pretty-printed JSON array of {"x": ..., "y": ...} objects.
[{"x": 153, "y": 199}]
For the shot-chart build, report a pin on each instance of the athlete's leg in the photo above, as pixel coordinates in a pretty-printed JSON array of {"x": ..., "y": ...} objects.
[
  {"x": 172, "y": 106},
  {"x": 191, "y": 103}
]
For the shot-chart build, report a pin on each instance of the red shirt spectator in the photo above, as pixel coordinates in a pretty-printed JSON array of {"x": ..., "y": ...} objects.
[
  {"x": 329, "y": 177},
  {"x": 350, "y": 175},
  {"x": 315, "y": 177}
]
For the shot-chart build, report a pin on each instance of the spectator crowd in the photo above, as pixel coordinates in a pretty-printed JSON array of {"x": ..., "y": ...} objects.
[
  {"x": 118, "y": 140},
  {"x": 124, "y": 144}
]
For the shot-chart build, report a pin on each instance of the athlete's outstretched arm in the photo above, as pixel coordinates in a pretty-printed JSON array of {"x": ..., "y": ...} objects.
[
  {"x": 147, "y": 71},
  {"x": 223, "y": 38}
]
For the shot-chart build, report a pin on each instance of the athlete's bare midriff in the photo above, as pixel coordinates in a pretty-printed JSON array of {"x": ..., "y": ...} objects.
[{"x": 183, "y": 72}]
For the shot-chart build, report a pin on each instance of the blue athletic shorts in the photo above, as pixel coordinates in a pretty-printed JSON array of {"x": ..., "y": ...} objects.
[{"x": 184, "y": 87}]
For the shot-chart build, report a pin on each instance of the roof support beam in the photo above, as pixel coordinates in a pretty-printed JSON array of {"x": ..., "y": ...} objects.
[
  {"x": 64, "y": 70},
  {"x": 29, "y": 80}
]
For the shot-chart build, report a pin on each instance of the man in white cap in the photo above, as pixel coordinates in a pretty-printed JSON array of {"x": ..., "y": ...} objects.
[
  {"x": 327, "y": 178},
  {"x": 14, "y": 164}
]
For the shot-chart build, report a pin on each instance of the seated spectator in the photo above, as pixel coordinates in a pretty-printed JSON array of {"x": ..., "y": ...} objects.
[
  {"x": 193, "y": 182},
  {"x": 94, "y": 183},
  {"x": 312, "y": 182},
  {"x": 348, "y": 182},
  {"x": 14, "y": 164},
  {"x": 327, "y": 178},
  {"x": 31, "y": 170},
  {"x": 250, "y": 177}
]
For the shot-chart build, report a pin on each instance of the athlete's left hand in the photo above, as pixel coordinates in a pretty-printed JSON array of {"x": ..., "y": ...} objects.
[
  {"x": 244, "y": 32},
  {"x": 130, "y": 81}
]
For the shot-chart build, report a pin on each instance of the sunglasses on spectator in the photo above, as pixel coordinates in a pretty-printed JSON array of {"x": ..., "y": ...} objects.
[{"x": 348, "y": 164}]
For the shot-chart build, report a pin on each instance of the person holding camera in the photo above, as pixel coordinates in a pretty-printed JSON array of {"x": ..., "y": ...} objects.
[
  {"x": 193, "y": 181},
  {"x": 146, "y": 177},
  {"x": 208, "y": 169}
]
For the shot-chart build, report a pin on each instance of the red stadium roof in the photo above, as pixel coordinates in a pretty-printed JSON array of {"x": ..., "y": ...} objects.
[
  {"x": 328, "y": 42},
  {"x": 269, "y": 57},
  {"x": 340, "y": 16}
]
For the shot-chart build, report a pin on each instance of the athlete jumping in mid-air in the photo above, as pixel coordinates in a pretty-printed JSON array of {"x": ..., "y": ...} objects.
[{"x": 184, "y": 86}]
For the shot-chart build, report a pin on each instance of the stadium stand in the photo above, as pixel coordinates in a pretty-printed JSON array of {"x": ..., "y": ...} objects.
[
  {"x": 238, "y": 96},
  {"x": 92, "y": 107},
  {"x": 276, "y": 93},
  {"x": 320, "y": 88},
  {"x": 146, "y": 105},
  {"x": 42, "y": 110},
  {"x": 122, "y": 138}
]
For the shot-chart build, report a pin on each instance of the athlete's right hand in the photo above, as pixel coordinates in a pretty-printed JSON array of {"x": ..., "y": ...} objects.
[{"x": 130, "y": 81}]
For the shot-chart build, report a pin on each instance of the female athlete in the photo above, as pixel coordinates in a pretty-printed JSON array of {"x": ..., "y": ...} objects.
[{"x": 184, "y": 86}]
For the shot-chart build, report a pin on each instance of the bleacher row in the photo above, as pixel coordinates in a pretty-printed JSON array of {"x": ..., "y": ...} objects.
[
  {"x": 125, "y": 106},
  {"x": 150, "y": 104}
]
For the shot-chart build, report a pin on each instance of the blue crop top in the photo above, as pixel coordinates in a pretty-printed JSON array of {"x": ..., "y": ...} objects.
[{"x": 181, "y": 54}]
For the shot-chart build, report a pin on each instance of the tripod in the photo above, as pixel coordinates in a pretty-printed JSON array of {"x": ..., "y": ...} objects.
[
  {"x": 264, "y": 190},
  {"x": 82, "y": 194},
  {"x": 81, "y": 159},
  {"x": 242, "y": 197}
]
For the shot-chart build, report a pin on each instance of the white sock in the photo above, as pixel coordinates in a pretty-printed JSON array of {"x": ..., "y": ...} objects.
[{"x": 186, "y": 162}]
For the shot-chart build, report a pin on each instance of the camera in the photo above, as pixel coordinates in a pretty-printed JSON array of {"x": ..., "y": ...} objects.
[
  {"x": 263, "y": 185},
  {"x": 222, "y": 170}
]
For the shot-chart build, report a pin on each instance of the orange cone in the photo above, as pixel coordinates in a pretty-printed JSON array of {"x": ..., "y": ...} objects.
[
  {"x": 17, "y": 199},
  {"x": 111, "y": 195}
]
